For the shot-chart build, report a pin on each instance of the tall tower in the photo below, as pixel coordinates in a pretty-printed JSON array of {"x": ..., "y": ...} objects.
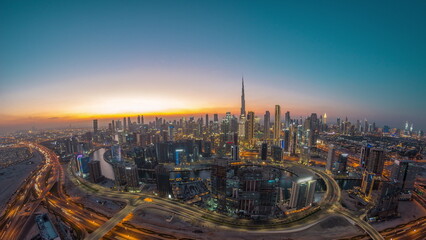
[
  {"x": 277, "y": 122},
  {"x": 95, "y": 126},
  {"x": 243, "y": 100}
]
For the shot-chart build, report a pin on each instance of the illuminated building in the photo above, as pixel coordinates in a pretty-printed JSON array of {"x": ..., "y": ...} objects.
[
  {"x": 243, "y": 101},
  {"x": 304, "y": 155},
  {"x": 286, "y": 142},
  {"x": 325, "y": 119},
  {"x": 302, "y": 193},
  {"x": 367, "y": 183},
  {"x": 340, "y": 164},
  {"x": 330, "y": 157},
  {"x": 235, "y": 152},
  {"x": 277, "y": 123},
  {"x": 250, "y": 126}
]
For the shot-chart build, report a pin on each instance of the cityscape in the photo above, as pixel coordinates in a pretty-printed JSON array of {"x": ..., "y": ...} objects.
[{"x": 123, "y": 134}]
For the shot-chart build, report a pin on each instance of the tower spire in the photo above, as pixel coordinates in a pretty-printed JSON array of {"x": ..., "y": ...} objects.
[{"x": 243, "y": 100}]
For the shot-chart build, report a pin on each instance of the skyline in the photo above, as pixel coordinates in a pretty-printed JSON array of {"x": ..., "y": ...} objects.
[{"x": 64, "y": 61}]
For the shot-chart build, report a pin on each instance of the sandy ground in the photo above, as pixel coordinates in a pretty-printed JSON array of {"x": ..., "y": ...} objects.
[
  {"x": 13, "y": 176},
  {"x": 334, "y": 227},
  {"x": 409, "y": 210}
]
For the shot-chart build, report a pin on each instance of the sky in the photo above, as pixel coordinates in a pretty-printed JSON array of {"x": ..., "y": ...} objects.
[{"x": 64, "y": 62}]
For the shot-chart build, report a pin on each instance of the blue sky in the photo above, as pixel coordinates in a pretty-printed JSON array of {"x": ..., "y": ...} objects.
[{"x": 358, "y": 59}]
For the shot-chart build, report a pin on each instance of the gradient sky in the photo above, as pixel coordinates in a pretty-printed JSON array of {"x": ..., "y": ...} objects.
[{"x": 66, "y": 61}]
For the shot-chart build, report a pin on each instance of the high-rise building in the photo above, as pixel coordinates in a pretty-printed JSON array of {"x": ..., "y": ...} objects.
[
  {"x": 277, "y": 123},
  {"x": 207, "y": 121},
  {"x": 129, "y": 123},
  {"x": 305, "y": 155},
  {"x": 287, "y": 120},
  {"x": 243, "y": 100},
  {"x": 302, "y": 193},
  {"x": 325, "y": 119},
  {"x": 286, "y": 141},
  {"x": 163, "y": 181},
  {"x": 340, "y": 164},
  {"x": 386, "y": 205},
  {"x": 124, "y": 123},
  {"x": 277, "y": 153},
  {"x": 139, "y": 119},
  {"x": 330, "y": 157},
  {"x": 235, "y": 152},
  {"x": 375, "y": 161},
  {"x": 264, "y": 151},
  {"x": 131, "y": 173},
  {"x": 95, "y": 173},
  {"x": 142, "y": 120},
  {"x": 266, "y": 125},
  {"x": 95, "y": 126},
  {"x": 365, "y": 154},
  {"x": 250, "y": 126},
  {"x": 367, "y": 183},
  {"x": 404, "y": 174}
]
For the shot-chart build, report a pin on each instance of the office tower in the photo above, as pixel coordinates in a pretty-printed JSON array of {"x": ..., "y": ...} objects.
[
  {"x": 95, "y": 126},
  {"x": 286, "y": 142},
  {"x": 95, "y": 173},
  {"x": 404, "y": 174},
  {"x": 264, "y": 151},
  {"x": 386, "y": 205},
  {"x": 215, "y": 118},
  {"x": 142, "y": 121},
  {"x": 340, "y": 165},
  {"x": 163, "y": 181},
  {"x": 207, "y": 121},
  {"x": 277, "y": 122},
  {"x": 365, "y": 154},
  {"x": 325, "y": 119},
  {"x": 302, "y": 193},
  {"x": 113, "y": 125},
  {"x": 330, "y": 158},
  {"x": 131, "y": 173},
  {"x": 243, "y": 101},
  {"x": 250, "y": 126},
  {"x": 305, "y": 155},
  {"x": 287, "y": 120},
  {"x": 235, "y": 152},
  {"x": 266, "y": 124},
  {"x": 375, "y": 161},
  {"x": 218, "y": 183},
  {"x": 129, "y": 123},
  {"x": 367, "y": 183},
  {"x": 124, "y": 123},
  {"x": 277, "y": 153},
  {"x": 139, "y": 119}
]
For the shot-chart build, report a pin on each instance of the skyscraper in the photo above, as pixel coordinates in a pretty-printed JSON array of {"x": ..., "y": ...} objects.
[
  {"x": 124, "y": 123},
  {"x": 250, "y": 126},
  {"x": 264, "y": 151},
  {"x": 365, "y": 154},
  {"x": 95, "y": 126},
  {"x": 243, "y": 101},
  {"x": 235, "y": 152},
  {"x": 375, "y": 161},
  {"x": 302, "y": 193},
  {"x": 404, "y": 174},
  {"x": 330, "y": 158},
  {"x": 207, "y": 121},
  {"x": 266, "y": 124},
  {"x": 287, "y": 119},
  {"x": 277, "y": 122}
]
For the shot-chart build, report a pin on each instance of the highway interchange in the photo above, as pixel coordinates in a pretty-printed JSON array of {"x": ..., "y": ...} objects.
[{"x": 47, "y": 185}]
